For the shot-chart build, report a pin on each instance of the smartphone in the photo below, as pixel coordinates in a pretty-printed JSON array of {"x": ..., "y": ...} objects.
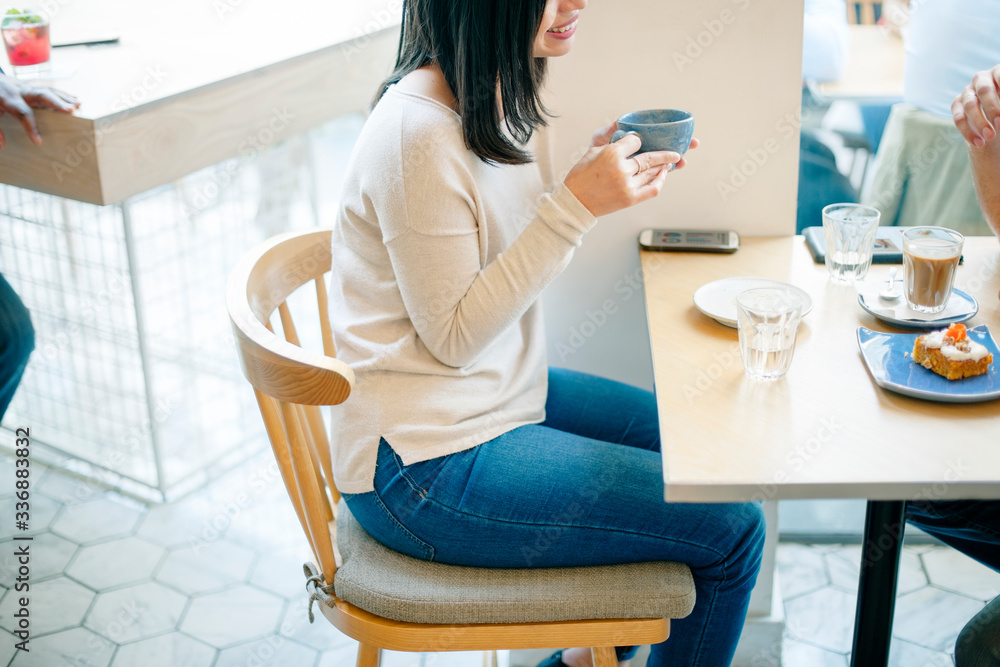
[{"x": 689, "y": 240}]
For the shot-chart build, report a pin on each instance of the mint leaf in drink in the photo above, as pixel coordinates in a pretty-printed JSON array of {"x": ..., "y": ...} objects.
[{"x": 21, "y": 16}]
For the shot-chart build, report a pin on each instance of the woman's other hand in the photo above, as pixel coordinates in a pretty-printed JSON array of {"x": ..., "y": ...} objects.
[
  {"x": 18, "y": 98},
  {"x": 976, "y": 110},
  {"x": 606, "y": 180}
]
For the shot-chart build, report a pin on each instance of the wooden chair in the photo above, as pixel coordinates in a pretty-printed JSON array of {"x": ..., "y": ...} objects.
[{"x": 380, "y": 597}]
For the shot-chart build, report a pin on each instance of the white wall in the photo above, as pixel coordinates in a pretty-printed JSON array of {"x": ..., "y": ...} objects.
[{"x": 736, "y": 65}]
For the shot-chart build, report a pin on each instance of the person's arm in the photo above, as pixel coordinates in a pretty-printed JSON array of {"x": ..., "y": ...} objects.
[
  {"x": 976, "y": 112},
  {"x": 18, "y": 98},
  {"x": 460, "y": 303}
]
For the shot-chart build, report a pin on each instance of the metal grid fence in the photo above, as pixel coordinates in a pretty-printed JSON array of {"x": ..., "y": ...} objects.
[{"x": 134, "y": 378}]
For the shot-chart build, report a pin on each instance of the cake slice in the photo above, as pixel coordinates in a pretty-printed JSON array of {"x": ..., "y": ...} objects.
[{"x": 950, "y": 353}]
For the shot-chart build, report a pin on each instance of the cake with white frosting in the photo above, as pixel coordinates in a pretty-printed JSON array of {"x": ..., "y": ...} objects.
[{"x": 950, "y": 353}]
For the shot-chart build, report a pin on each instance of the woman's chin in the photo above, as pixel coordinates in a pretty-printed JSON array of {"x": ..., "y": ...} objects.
[{"x": 561, "y": 48}]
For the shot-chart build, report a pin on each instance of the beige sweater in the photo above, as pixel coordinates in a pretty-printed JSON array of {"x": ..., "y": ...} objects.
[{"x": 438, "y": 263}]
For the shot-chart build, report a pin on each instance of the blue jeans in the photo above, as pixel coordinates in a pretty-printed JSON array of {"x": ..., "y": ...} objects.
[
  {"x": 978, "y": 644},
  {"x": 17, "y": 340},
  {"x": 972, "y": 527},
  {"x": 585, "y": 487}
]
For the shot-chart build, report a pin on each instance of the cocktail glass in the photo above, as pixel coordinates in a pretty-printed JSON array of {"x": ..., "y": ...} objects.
[{"x": 26, "y": 35}]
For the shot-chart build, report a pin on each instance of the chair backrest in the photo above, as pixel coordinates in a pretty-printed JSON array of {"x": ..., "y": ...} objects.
[
  {"x": 861, "y": 11},
  {"x": 290, "y": 382}
]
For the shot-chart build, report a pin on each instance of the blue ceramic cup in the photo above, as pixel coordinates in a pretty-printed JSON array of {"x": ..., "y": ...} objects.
[{"x": 659, "y": 129}]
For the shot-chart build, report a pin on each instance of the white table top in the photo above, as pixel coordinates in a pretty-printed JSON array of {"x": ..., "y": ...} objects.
[
  {"x": 187, "y": 44},
  {"x": 190, "y": 82},
  {"x": 825, "y": 430}
]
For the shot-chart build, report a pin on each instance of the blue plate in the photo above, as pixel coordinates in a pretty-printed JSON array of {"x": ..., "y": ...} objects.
[{"x": 889, "y": 358}]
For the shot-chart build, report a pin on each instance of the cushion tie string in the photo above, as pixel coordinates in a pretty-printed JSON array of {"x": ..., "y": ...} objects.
[{"x": 317, "y": 588}]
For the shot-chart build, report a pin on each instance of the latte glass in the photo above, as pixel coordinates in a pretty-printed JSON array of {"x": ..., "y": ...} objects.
[{"x": 930, "y": 262}]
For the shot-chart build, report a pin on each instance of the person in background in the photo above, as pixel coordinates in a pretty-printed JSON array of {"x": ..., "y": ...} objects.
[
  {"x": 825, "y": 44},
  {"x": 922, "y": 173},
  {"x": 17, "y": 336},
  {"x": 976, "y": 113},
  {"x": 973, "y": 526}
]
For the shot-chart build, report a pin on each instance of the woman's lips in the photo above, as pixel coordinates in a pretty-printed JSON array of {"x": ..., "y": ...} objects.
[{"x": 564, "y": 31}]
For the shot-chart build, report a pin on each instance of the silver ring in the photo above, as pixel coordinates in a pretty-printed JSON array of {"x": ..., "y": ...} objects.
[{"x": 638, "y": 167}]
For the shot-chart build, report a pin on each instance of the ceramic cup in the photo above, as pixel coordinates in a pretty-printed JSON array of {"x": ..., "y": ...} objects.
[{"x": 659, "y": 129}]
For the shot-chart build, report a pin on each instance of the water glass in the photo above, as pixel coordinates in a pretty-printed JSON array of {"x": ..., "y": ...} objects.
[
  {"x": 850, "y": 240},
  {"x": 767, "y": 319}
]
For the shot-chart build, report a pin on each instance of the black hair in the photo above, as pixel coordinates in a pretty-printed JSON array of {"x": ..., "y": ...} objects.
[{"x": 481, "y": 46}]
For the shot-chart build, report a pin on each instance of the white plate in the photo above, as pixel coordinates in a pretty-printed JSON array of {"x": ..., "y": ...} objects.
[
  {"x": 962, "y": 306},
  {"x": 718, "y": 299}
]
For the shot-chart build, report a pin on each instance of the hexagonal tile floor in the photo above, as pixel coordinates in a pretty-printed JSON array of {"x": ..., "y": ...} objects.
[{"x": 118, "y": 584}]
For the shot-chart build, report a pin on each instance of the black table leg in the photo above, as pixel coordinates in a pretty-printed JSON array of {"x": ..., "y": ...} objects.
[{"x": 884, "y": 523}]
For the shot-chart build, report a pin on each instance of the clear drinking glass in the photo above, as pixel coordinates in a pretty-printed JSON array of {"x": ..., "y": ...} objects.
[
  {"x": 930, "y": 262},
  {"x": 26, "y": 35},
  {"x": 767, "y": 319},
  {"x": 850, "y": 239}
]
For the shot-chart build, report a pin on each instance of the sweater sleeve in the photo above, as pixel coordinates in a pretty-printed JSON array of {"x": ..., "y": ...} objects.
[{"x": 458, "y": 307}]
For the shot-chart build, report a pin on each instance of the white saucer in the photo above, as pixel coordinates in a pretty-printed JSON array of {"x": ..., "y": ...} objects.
[
  {"x": 718, "y": 299},
  {"x": 961, "y": 306}
]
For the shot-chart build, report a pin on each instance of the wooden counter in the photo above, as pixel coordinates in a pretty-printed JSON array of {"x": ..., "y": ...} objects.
[
  {"x": 825, "y": 430},
  {"x": 191, "y": 84}
]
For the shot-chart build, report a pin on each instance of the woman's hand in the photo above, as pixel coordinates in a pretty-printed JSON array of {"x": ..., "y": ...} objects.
[
  {"x": 18, "y": 98},
  {"x": 606, "y": 180},
  {"x": 976, "y": 110}
]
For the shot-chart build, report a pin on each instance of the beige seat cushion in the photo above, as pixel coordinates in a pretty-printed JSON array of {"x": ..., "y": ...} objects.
[{"x": 393, "y": 585}]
